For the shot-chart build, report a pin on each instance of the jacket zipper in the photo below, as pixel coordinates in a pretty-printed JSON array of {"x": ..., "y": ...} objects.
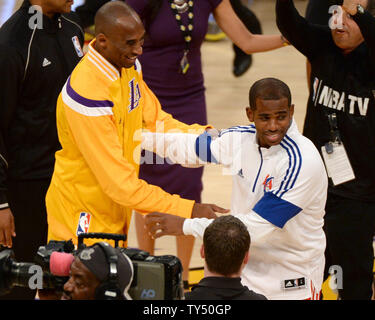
[
  {"x": 6, "y": 163},
  {"x": 260, "y": 168}
]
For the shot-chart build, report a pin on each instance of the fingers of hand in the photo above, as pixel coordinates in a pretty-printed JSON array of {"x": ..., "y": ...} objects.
[
  {"x": 12, "y": 226},
  {"x": 6, "y": 238},
  {"x": 158, "y": 234},
  {"x": 153, "y": 224},
  {"x": 152, "y": 219},
  {"x": 155, "y": 228},
  {"x": 7, "y": 231},
  {"x": 219, "y": 209}
]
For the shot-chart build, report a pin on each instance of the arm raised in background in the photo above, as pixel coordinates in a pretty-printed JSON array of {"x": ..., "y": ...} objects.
[
  {"x": 248, "y": 42},
  {"x": 304, "y": 36}
]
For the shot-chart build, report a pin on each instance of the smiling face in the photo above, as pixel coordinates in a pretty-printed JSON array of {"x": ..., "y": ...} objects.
[
  {"x": 272, "y": 119},
  {"x": 348, "y": 36},
  {"x": 123, "y": 44}
]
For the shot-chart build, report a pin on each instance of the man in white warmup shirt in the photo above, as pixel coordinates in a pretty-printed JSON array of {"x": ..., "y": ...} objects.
[{"x": 279, "y": 192}]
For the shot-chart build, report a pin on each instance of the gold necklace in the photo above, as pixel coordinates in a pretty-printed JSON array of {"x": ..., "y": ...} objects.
[{"x": 185, "y": 30}]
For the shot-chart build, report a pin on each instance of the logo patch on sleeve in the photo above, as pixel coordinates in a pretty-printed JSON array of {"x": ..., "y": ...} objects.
[
  {"x": 293, "y": 284},
  {"x": 83, "y": 223},
  {"x": 77, "y": 46}
]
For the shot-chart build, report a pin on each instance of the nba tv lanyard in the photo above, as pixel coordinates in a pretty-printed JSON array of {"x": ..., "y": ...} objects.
[{"x": 185, "y": 30}]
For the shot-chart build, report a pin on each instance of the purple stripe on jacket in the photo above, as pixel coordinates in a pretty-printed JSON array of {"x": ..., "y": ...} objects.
[{"x": 87, "y": 102}]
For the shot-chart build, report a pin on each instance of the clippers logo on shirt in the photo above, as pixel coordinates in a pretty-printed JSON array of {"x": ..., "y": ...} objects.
[
  {"x": 267, "y": 183},
  {"x": 83, "y": 223},
  {"x": 134, "y": 96},
  {"x": 77, "y": 46}
]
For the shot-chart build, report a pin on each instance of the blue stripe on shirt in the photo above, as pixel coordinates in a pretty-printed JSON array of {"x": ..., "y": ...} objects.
[
  {"x": 299, "y": 156},
  {"x": 295, "y": 162},
  {"x": 276, "y": 210},
  {"x": 203, "y": 148},
  {"x": 241, "y": 129}
]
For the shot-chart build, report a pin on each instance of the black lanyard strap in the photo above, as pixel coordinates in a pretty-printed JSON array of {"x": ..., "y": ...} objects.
[{"x": 334, "y": 130}]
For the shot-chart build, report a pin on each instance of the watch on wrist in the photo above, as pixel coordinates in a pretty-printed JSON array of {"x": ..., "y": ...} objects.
[{"x": 360, "y": 9}]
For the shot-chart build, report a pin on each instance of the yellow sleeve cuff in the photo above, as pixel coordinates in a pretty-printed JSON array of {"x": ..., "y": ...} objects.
[{"x": 185, "y": 208}]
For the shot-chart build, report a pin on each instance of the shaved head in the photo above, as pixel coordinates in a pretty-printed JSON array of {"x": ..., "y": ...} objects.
[
  {"x": 113, "y": 14},
  {"x": 119, "y": 34}
]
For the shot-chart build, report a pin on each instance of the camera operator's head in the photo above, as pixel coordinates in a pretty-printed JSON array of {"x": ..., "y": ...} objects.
[
  {"x": 226, "y": 243},
  {"x": 99, "y": 272}
]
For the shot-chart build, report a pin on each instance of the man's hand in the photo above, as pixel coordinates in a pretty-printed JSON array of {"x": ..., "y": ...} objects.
[
  {"x": 350, "y": 6},
  {"x": 204, "y": 210},
  {"x": 7, "y": 229},
  {"x": 161, "y": 224}
]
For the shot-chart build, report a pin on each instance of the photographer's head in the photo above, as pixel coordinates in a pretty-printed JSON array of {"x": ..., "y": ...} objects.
[
  {"x": 226, "y": 243},
  {"x": 99, "y": 272}
]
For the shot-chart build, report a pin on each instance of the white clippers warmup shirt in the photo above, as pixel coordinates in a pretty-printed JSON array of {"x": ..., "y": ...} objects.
[{"x": 279, "y": 193}]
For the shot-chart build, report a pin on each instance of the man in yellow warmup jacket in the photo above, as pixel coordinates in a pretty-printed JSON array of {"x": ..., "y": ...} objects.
[{"x": 101, "y": 111}]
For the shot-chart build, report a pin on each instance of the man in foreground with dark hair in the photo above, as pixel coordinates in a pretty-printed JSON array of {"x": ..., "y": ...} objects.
[
  {"x": 226, "y": 244},
  {"x": 279, "y": 192}
]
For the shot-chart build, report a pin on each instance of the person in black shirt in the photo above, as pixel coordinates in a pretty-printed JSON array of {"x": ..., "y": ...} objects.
[
  {"x": 226, "y": 243},
  {"x": 40, "y": 44},
  {"x": 341, "y": 117},
  {"x": 317, "y": 11}
]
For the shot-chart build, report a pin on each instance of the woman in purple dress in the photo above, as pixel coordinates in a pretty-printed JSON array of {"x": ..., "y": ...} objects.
[{"x": 172, "y": 68}]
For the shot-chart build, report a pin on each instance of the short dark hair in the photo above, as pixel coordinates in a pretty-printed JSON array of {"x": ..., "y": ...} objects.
[
  {"x": 226, "y": 241},
  {"x": 269, "y": 89}
]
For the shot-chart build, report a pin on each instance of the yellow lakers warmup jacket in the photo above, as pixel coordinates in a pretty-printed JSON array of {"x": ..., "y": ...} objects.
[{"x": 95, "y": 184}]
